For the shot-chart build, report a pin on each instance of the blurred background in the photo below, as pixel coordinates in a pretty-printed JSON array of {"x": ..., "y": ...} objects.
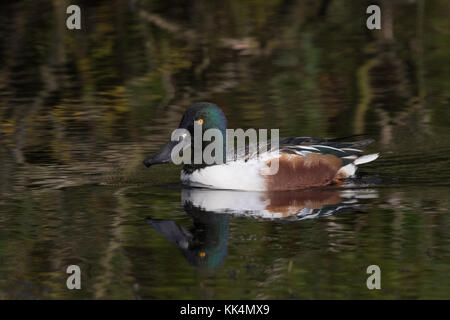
[{"x": 80, "y": 109}]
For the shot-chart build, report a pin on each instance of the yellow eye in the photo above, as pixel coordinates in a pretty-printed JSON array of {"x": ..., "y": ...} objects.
[{"x": 200, "y": 121}]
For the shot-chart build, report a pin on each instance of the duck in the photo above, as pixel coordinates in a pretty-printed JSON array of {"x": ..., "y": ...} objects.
[{"x": 302, "y": 162}]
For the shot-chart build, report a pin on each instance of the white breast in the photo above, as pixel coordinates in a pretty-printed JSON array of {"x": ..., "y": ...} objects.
[{"x": 235, "y": 175}]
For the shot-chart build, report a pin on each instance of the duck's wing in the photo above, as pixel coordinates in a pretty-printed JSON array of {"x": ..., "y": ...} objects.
[{"x": 347, "y": 151}]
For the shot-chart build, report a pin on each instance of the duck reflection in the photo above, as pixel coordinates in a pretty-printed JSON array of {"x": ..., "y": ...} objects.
[
  {"x": 288, "y": 205},
  {"x": 206, "y": 243}
]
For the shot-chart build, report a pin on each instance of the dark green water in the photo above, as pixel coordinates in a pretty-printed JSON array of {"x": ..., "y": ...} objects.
[{"x": 79, "y": 111}]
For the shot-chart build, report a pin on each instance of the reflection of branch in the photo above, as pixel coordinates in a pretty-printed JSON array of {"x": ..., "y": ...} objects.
[
  {"x": 50, "y": 84},
  {"x": 13, "y": 47},
  {"x": 169, "y": 88},
  {"x": 420, "y": 57},
  {"x": 167, "y": 25},
  {"x": 114, "y": 248},
  {"x": 366, "y": 95},
  {"x": 388, "y": 123},
  {"x": 246, "y": 45},
  {"x": 387, "y": 29},
  {"x": 23, "y": 113}
]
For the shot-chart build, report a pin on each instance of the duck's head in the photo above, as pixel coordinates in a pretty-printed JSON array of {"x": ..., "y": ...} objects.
[{"x": 207, "y": 114}]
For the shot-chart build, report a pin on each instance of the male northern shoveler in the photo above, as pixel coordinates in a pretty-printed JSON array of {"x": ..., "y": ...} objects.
[{"x": 303, "y": 162}]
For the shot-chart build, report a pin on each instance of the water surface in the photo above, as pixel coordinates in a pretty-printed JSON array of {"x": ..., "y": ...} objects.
[{"x": 80, "y": 110}]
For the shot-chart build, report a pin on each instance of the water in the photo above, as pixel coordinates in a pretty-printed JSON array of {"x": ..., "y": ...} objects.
[{"x": 80, "y": 110}]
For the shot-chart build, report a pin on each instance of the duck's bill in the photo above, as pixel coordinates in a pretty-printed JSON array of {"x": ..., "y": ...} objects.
[{"x": 162, "y": 156}]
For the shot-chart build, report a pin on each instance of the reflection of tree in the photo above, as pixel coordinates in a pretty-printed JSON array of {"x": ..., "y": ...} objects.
[
  {"x": 387, "y": 84},
  {"x": 113, "y": 252},
  {"x": 152, "y": 60}
]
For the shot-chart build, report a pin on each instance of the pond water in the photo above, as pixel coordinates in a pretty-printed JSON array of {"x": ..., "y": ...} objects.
[{"x": 81, "y": 109}]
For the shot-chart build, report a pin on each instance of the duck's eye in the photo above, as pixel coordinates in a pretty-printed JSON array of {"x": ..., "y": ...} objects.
[{"x": 200, "y": 121}]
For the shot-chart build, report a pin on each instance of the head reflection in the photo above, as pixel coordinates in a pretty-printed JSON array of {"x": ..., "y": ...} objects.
[{"x": 206, "y": 243}]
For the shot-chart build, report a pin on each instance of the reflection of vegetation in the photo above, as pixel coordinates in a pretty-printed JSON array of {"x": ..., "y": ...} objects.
[
  {"x": 82, "y": 107},
  {"x": 129, "y": 73}
]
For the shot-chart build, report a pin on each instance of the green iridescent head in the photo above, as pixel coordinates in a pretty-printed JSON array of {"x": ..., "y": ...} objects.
[{"x": 209, "y": 115}]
